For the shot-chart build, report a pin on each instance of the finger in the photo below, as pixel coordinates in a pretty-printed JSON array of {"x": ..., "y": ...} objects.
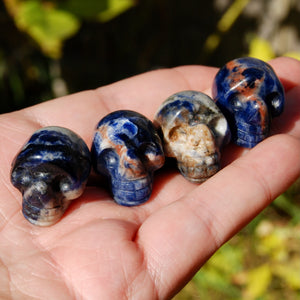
[
  {"x": 288, "y": 70},
  {"x": 289, "y": 121},
  {"x": 180, "y": 237}
]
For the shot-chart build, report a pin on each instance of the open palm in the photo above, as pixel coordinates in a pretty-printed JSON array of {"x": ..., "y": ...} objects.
[{"x": 100, "y": 250}]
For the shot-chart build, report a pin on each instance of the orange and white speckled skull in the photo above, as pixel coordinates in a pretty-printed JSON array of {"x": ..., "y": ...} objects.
[{"x": 193, "y": 131}]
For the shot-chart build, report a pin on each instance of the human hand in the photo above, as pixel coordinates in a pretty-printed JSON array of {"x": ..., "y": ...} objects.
[{"x": 100, "y": 250}]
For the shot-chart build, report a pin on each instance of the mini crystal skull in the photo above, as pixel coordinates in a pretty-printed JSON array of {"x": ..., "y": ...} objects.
[
  {"x": 193, "y": 130},
  {"x": 51, "y": 169},
  {"x": 249, "y": 94},
  {"x": 127, "y": 150}
]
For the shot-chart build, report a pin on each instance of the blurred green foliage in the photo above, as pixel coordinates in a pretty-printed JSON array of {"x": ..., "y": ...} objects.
[
  {"x": 32, "y": 41},
  {"x": 262, "y": 262},
  {"x": 49, "y": 23},
  {"x": 48, "y": 26},
  {"x": 49, "y": 48}
]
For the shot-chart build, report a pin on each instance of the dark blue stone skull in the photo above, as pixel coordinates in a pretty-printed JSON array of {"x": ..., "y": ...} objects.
[
  {"x": 249, "y": 94},
  {"x": 51, "y": 169},
  {"x": 127, "y": 149}
]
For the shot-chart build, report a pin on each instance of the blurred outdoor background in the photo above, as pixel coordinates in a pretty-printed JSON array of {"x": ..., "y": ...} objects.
[{"x": 52, "y": 48}]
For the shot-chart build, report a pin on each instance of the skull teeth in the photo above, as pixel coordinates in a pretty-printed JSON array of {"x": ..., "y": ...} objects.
[
  {"x": 246, "y": 137},
  {"x": 44, "y": 216},
  {"x": 199, "y": 173},
  {"x": 132, "y": 192}
]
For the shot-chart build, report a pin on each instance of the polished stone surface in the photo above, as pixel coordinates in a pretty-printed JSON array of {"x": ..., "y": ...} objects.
[
  {"x": 50, "y": 170},
  {"x": 193, "y": 130},
  {"x": 127, "y": 150},
  {"x": 249, "y": 94}
]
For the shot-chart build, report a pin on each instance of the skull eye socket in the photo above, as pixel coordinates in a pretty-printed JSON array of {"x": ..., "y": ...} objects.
[
  {"x": 178, "y": 134},
  {"x": 107, "y": 161},
  {"x": 274, "y": 104},
  {"x": 152, "y": 155},
  {"x": 21, "y": 177},
  {"x": 235, "y": 102},
  {"x": 147, "y": 148}
]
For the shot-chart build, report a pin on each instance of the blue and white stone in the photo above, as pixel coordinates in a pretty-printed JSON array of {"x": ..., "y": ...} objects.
[
  {"x": 127, "y": 150},
  {"x": 193, "y": 130},
  {"x": 51, "y": 169},
  {"x": 249, "y": 94}
]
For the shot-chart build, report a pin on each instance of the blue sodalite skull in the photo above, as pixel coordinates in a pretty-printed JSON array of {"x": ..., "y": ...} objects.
[
  {"x": 51, "y": 169},
  {"x": 127, "y": 149},
  {"x": 193, "y": 130},
  {"x": 249, "y": 94}
]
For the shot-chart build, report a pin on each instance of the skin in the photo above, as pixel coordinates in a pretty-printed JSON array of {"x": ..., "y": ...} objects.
[{"x": 100, "y": 250}]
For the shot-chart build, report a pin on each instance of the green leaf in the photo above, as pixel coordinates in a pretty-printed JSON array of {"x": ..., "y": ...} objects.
[
  {"x": 272, "y": 241},
  {"x": 289, "y": 272},
  {"x": 260, "y": 48},
  {"x": 217, "y": 274},
  {"x": 231, "y": 15},
  {"x": 259, "y": 280},
  {"x": 212, "y": 279},
  {"x": 48, "y": 26},
  {"x": 103, "y": 10},
  {"x": 227, "y": 259},
  {"x": 283, "y": 202},
  {"x": 114, "y": 8},
  {"x": 87, "y": 9}
]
